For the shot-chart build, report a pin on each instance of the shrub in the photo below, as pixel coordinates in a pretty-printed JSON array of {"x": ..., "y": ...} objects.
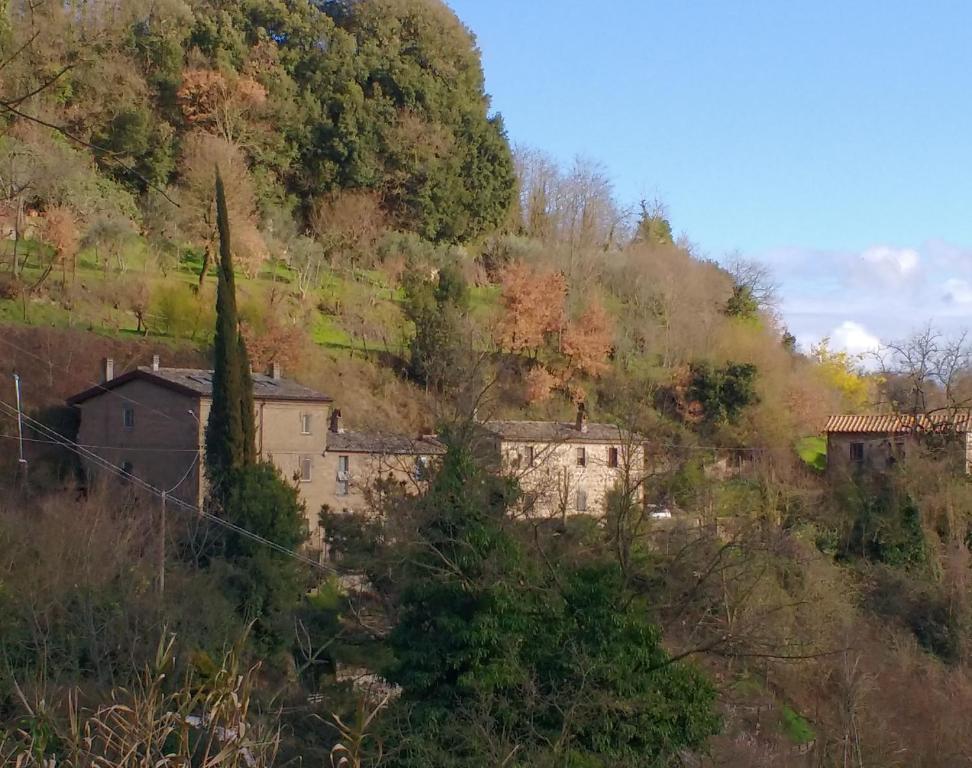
[
  {"x": 178, "y": 312},
  {"x": 723, "y": 392}
]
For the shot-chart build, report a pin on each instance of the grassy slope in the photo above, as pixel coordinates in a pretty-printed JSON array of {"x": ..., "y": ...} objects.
[
  {"x": 91, "y": 299},
  {"x": 813, "y": 451}
]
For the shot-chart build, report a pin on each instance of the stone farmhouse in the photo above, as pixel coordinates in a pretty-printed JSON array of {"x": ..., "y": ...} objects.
[
  {"x": 151, "y": 422},
  {"x": 876, "y": 442},
  {"x": 357, "y": 460},
  {"x": 567, "y": 468}
]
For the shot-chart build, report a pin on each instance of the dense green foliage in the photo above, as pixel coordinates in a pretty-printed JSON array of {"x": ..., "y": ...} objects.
[
  {"x": 492, "y": 649},
  {"x": 231, "y": 430},
  {"x": 265, "y": 584},
  {"x": 372, "y": 94},
  {"x": 742, "y": 303},
  {"x": 723, "y": 392},
  {"x": 436, "y": 307}
]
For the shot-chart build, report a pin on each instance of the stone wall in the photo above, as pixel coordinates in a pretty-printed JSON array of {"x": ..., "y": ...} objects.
[
  {"x": 364, "y": 470},
  {"x": 557, "y": 484}
]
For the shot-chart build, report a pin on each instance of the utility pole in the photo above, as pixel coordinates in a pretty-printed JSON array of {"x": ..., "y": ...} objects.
[
  {"x": 22, "y": 462},
  {"x": 162, "y": 548}
]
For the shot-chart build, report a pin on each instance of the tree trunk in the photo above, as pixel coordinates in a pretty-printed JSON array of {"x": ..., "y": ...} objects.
[
  {"x": 18, "y": 219},
  {"x": 207, "y": 260}
]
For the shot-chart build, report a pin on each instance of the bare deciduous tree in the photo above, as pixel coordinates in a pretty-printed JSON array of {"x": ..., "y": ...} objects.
[
  {"x": 925, "y": 371},
  {"x": 755, "y": 277},
  {"x": 203, "y": 154}
]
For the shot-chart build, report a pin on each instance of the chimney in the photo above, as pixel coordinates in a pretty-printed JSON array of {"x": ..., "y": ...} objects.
[
  {"x": 337, "y": 422},
  {"x": 581, "y": 418},
  {"x": 109, "y": 369},
  {"x": 275, "y": 371},
  {"x": 155, "y": 362}
]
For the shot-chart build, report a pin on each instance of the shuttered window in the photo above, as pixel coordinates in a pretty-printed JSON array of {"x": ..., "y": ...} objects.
[{"x": 306, "y": 469}]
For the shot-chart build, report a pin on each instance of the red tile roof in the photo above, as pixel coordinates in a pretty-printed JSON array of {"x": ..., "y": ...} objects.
[{"x": 958, "y": 420}]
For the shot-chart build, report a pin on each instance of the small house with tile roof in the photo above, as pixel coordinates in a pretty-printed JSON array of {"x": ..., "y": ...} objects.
[
  {"x": 875, "y": 442},
  {"x": 567, "y": 468}
]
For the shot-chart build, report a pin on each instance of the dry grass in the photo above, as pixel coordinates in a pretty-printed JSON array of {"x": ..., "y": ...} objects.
[
  {"x": 204, "y": 722},
  {"x": 370, "y": 396}
]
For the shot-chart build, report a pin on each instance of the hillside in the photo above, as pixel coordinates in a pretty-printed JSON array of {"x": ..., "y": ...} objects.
[{"x": 394, "y": 251}]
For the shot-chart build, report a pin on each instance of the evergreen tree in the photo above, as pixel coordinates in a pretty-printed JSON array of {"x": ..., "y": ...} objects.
[
  {"x": 494, "y": 649},
  {"x": 653, "y": 225},
  {"x": 265, "y": 583},
  {"x": 230, "y": 432},
  {"x": 436, "y": 309}
]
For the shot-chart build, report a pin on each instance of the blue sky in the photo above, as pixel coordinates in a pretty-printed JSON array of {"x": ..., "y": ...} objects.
[{"x": 831, "y": 140}]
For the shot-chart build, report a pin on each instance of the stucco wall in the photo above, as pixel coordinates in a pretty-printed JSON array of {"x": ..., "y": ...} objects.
[
  {"x": 163, "y": 444},
  {"x": 879, "y": 451},
  {"x": 279, "y": 439},
  {"x": 166, "y": 439},
  {"x": 365, "y": 469}
]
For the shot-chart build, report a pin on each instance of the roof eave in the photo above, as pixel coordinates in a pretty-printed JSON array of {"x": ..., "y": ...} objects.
[{"x": 125, "y": 378}]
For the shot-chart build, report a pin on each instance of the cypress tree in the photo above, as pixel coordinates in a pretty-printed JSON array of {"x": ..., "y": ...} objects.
[{"x": 230, "y": 431}]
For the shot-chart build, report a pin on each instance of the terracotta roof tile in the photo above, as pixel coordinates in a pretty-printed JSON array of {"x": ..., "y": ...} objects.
[{"x": 958, "y": 420}]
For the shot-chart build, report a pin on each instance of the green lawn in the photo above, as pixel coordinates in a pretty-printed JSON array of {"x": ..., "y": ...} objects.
[
  {"x": 813, "y": 452},
  {"x": 344, "y": 305},
  {"x": 796, "y": 727}
]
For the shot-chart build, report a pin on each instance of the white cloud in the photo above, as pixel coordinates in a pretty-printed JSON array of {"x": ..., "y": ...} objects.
[
  {"x": 853, "y": 338},
  {"x": 881, "y": 292},
  {"x": 891, "y": 264},
  {"x": 958, "y": 291}
]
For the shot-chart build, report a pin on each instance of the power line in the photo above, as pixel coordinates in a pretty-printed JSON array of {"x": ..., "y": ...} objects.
[
  {"x": 103, "y": 447},
  {"x": 128, "y": 476},
  {"x": 99, "y": 385},
  {"x": 128, "y": 449}
]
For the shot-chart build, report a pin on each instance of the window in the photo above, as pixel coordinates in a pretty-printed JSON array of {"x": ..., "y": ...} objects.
[
  {"x": 581, "y": 457},
  {"x": 343, "y": 476},
  {"x": 128, "y": 417},
  {"x": 305, "y": 423},
  {"x": 421, "y": 468},
  {"x": 580, "y": 503},
  {"x": 529, "y": 456},
  {"x": 857, "y": 453},
  {"x": 612, "y": 456},
  {"x": 306, "y": 468}
]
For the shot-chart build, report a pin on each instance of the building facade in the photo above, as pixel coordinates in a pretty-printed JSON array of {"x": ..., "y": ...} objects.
[
  {"x": 877, "y": 442},
  {"x": 568, "y": 468},
  {"x": 363, "y": 464},
  {"x": 151, "y": 422}
]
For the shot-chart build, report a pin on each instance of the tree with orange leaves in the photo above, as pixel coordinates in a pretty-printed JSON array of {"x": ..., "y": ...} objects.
[
  {"x": 219, "y": 104},
  {"x": 61, "y": 233},
  {"x": 587, "y": 341},
  {"x": 533, "y": 301}
]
